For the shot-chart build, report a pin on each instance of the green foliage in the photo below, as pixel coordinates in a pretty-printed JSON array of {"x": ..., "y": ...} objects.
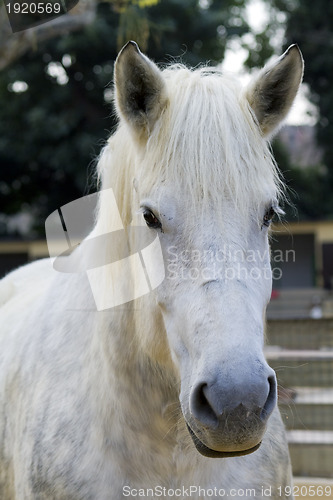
[
  {"x": 197, "y": 34},
  {"x": 50, "y": 132},
  {"x": 53, "y": 128},
  {"x": 260, "y": 48},
  {"x": 311, "y": 26},
  {"x": 307, "y": 188}
]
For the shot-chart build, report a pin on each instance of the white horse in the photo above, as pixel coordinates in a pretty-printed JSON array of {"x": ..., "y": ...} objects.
[{"x": 168, "y": 394}]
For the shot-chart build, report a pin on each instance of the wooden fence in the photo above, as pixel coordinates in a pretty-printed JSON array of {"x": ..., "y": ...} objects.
[{"x": 301, "y": 353}]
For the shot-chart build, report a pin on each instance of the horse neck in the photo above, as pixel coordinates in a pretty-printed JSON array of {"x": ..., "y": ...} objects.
[{"x": 130, "y": 372}]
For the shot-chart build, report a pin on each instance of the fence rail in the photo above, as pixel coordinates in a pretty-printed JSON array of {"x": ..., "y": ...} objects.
[{"x": 301, "y": 352}]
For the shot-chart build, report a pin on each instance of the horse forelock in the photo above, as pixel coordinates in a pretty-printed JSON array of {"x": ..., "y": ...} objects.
[{"x": 206, "y": 140}]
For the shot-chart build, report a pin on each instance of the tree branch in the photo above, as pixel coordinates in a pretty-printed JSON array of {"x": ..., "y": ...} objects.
[{"x": 14, "y": 45}]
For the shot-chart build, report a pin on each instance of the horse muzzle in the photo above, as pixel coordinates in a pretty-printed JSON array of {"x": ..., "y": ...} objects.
[
  {"x": 209, "y": 452},
  {"x": 229, "y": 423}
]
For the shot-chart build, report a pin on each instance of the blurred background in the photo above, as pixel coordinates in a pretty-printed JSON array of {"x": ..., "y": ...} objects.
[{"x": 56, "y": 113}]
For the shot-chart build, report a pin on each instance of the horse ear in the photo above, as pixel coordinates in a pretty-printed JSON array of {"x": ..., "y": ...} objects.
[
  {"x": 272, "y": 93},
  {"x": 139, "y": 89}
]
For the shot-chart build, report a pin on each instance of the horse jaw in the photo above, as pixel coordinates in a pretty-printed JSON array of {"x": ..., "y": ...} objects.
[{"x": 208, "y": 452}]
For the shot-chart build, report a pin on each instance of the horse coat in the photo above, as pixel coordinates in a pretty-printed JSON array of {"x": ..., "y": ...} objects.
[{"x": 168, "y": 394}]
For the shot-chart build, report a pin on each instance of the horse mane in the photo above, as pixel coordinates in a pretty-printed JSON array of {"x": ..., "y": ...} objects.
[{"x": 206, "y": 139}]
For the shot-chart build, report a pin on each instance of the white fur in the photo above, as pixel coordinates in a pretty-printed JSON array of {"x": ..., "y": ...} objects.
[{"x": 95, "y": 401}]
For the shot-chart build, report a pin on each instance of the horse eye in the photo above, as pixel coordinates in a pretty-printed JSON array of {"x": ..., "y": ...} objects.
[
  {"x": 151, "y": 220},
  {"x": 268, "y": 217}
]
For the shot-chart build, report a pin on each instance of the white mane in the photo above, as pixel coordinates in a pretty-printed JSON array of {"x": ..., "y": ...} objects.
[{"x": 206, "y": 139}]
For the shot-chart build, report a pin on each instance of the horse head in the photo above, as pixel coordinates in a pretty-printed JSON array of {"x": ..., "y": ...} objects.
[{"x": 206, "y": 183}]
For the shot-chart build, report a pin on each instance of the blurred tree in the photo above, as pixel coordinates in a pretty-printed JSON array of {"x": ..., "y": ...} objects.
[
  {"x": 305, "y": 187},
  {"x": 13, "y": 47},
  {"x": 55, "y": 99},
  {"x": 311, "y": 27}
]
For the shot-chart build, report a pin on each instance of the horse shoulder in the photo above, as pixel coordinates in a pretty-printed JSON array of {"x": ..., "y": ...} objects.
[
  {"x": 41, "y": 349},
  {"x": 23, "y": 280}
]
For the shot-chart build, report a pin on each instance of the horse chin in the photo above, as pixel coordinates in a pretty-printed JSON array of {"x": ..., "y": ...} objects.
[{"x": 208, "y": 452}]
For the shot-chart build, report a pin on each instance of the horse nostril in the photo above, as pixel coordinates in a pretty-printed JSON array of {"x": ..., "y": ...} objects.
[
  {"x": 271, "y": 398},
  {"x": 201, "y": 407},
  {"x": 208, "y": 400}
]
